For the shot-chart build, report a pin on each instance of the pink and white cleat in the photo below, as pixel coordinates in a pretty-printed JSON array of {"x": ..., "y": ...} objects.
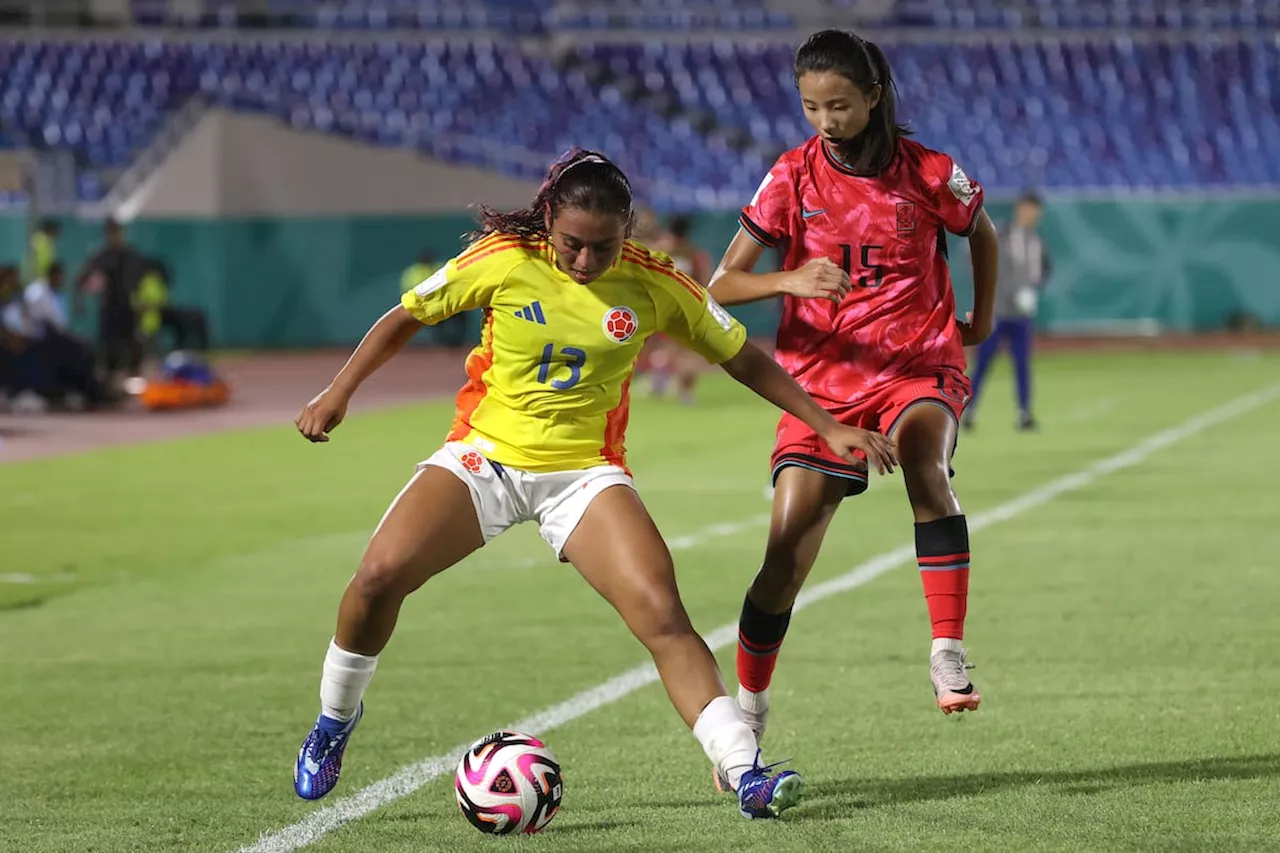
[{"x": 951, "y": 685}]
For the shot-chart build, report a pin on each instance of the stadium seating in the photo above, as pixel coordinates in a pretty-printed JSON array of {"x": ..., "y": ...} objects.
[
  {"x": 1085, "y": 15},
  {"x": 524, "y": 16},
  {"x": 537, "y": 15},
  {"x": 1110, "y": 112},
  {"x": 701, "y": 121},
  {"x": 102, "y": 100}
]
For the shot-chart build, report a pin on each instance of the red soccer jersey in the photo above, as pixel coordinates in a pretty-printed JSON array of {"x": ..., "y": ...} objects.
[{"x": 886, "y": 231}]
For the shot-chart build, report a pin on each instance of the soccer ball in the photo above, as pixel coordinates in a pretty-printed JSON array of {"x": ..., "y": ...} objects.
[{"x": 508, "y": 782}]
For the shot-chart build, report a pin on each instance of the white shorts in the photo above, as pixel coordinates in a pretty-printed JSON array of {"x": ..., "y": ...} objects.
[{"x": 505, "y": 496}]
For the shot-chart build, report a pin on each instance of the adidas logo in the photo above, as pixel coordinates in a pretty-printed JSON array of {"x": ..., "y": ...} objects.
[{"x": 532, "y": 313}]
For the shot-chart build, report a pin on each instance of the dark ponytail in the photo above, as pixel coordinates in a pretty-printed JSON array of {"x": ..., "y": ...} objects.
[
  {"x": 581, "y": 179},
  {"x": 863, "y": 64}
]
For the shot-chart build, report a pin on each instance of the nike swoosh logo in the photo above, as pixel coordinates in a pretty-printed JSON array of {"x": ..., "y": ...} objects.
[{"x": 809, "y": 214}]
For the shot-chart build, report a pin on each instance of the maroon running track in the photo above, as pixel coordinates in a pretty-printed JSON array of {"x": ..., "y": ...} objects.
[
  {"x": 266, "y": 389},
  {"x": 271, "y": 388}
]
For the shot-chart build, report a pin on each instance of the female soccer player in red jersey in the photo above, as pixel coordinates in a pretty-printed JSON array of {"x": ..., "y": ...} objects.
[
  {"x": 538, "y": 436},
  {"x": 869, "y": 329}
]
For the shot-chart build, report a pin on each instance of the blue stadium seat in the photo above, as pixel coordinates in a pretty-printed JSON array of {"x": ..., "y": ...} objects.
[
  {"x": 471, "y": 15},
  {"x": 1107, "y": 112},
  {"x": 1080, "y": 15}
]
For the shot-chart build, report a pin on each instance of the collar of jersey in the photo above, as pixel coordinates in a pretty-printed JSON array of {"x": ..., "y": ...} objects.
[{"x": 845, "y": 169}]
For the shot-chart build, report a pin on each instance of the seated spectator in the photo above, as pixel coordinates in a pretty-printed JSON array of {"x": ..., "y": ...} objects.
[
  {"x": 45, "y": 303},
  {"x": 25, "y": 384},
  {"x": 69, "y": 359}
]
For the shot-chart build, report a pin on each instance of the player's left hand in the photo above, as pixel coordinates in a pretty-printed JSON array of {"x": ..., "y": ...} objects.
[
  {"x": 843, "y": 440},
  {"x": 971, "y": 333}
]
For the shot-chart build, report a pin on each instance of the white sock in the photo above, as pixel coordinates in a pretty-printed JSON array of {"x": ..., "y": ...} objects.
[
  {"x": 726, "y": 738},
  {"x": 346, "y": 677},
  {"x": 945, "y": 644},
  {"x": 753, "y": 703}
]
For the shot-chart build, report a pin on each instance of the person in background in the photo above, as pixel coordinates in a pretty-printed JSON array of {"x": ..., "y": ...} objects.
[
  {"x": 188, "y": 327},
  {"x": 24, "y": 382},
  {"x": 1024, "y": 272},
  {"x": 45, "y": 301},
  {"x": 65, "y": 359},
  {"x": 670, "y": 360},
  {"x": 113, "y": 275},
  {"x": 149, "y": 300},
  {"x": 452, "y": 332},
  {"x": 42, "y": 251},
  {"x": 648, "y": 228}
]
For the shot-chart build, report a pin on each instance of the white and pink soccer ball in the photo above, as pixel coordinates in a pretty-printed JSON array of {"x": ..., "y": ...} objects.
[{"x": 509, "y": 782}]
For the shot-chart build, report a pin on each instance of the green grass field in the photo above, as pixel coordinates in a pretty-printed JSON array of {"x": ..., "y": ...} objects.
[{"x": 157, "y": 685}]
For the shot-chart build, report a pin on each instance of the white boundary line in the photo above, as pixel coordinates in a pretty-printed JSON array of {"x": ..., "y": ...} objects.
[
  {"x": 24, "y": 578},
  {"x": 675, "y": 543},
  {"x": 409, "y": 779},
  {"x": 1091, "y": 411}
]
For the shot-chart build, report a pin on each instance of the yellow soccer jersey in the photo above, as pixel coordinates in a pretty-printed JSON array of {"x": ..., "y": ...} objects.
[{"x": 548, "y": 385}]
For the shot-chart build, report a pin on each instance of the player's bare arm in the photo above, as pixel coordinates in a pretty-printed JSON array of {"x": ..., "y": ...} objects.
[
  {"x": 984, "y": 250},
  {"x": 383, "y": 340},
  {"x": 759, "y": 372},
  {"x": 735, "y": 283}
]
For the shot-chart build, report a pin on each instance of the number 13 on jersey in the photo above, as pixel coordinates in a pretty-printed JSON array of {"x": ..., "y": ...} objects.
[{"x": 574, "y": 360}]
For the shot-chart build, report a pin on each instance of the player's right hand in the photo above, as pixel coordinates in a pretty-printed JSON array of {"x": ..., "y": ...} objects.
[
  {"x": 879, "y": 449},
  {"x": 322, "y": 415},
  {"x": 818, "y": 279}
]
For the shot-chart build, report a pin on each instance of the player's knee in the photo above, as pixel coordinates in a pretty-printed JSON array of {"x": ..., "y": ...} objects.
[
  {"x": 783, "y": 571},
  {"x": 781, "y": 560},
  {"x": 382, "y": 575},
  {"x": 929, "y": 488},
  {"x": 658, "y": 619}
]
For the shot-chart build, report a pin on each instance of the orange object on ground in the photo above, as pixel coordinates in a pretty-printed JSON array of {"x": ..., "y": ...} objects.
[{"x": 177, "y": 394}]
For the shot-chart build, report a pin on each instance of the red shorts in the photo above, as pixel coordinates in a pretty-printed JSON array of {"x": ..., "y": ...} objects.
[{"x": 798, "y": 445}]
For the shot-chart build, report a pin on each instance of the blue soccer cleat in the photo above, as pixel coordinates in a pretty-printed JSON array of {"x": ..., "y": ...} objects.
[
  {"x": 320, "y": 759},
  {"x": 763, "y": 796}
]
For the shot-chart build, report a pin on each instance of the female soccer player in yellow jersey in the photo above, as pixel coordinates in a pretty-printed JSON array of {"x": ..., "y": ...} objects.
[{"x": 538, "y": 436}]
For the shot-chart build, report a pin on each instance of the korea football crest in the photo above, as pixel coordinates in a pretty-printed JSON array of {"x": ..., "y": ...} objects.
[{"x": 906, "y": 218}]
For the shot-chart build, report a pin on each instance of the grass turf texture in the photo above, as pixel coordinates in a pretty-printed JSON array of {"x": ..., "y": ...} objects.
[{"x": 158, "y": 685}]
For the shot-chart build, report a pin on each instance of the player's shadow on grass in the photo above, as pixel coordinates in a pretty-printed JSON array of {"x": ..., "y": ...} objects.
[
  {"x": 839, "y": 798},
  {"x": 592, "y": 826}
]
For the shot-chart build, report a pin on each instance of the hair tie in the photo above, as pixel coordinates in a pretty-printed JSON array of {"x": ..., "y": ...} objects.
[
  {"x": 866, "y": 51},
  {"x": 593, "y": 158}
]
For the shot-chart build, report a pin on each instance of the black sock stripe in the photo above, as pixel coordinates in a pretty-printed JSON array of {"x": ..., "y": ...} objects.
[
  {"x": 943, "y": 537},
  {"x": 762, "y": 630}
]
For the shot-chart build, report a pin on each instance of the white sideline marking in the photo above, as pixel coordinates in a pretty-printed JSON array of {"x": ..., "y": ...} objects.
[
  {"x": 681, "y": 543},
  {"x": 1091, "y": 411},
  {"x": 676, "y": 543},
  {"x": 409, "y": 779},
  {"x": 23, "y": 578},
  {"x": 19, "y": 578}
]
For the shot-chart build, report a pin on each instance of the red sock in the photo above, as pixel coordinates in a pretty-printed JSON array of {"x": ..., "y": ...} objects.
[
  {"x": 942, "y": 550},
  {"x": 759, "y": 639}
]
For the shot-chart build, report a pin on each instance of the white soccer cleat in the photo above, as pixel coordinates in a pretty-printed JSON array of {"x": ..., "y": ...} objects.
[{"x": 951, "y": 685}]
